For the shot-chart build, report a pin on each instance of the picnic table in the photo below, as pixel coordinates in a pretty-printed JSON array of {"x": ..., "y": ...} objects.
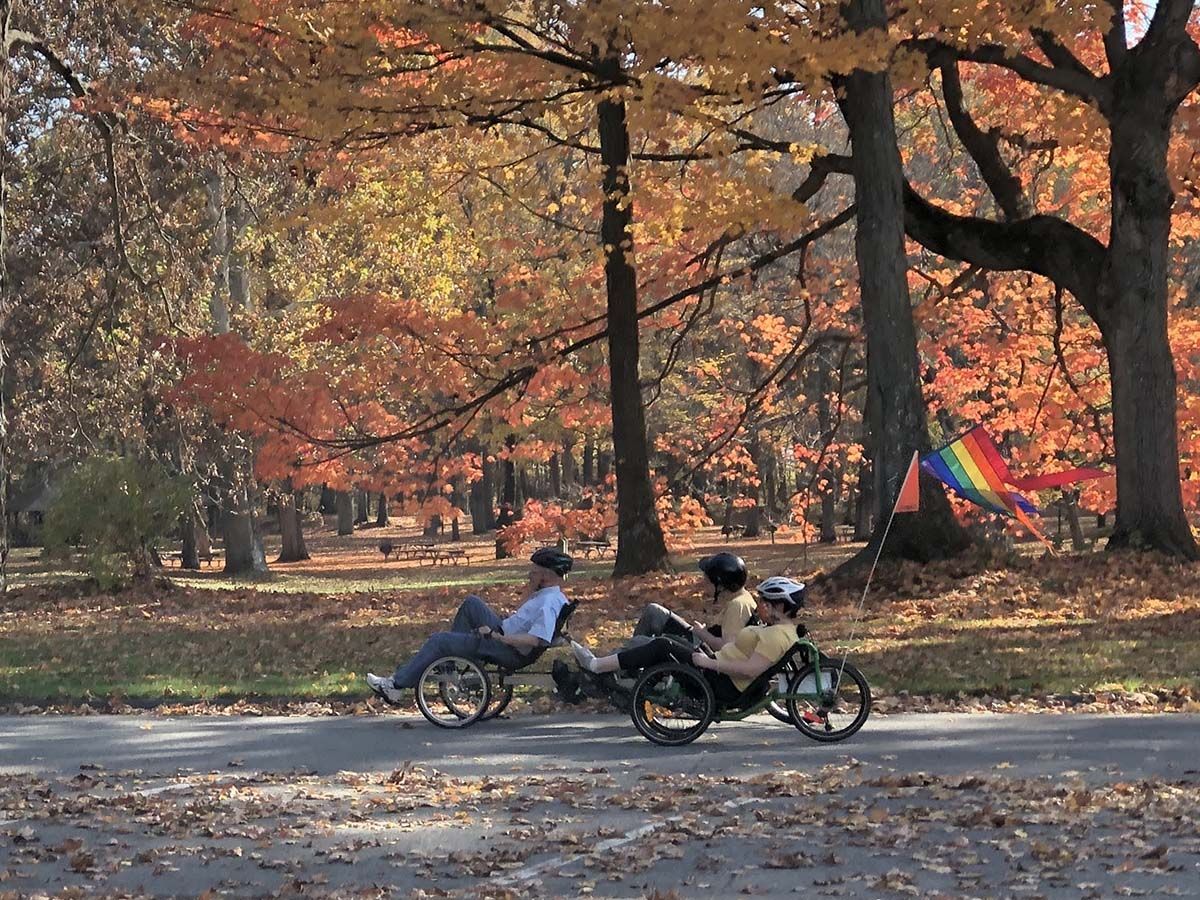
[
  {"x": 415, "y": 550},
  {"x": 431, "y": 552}
]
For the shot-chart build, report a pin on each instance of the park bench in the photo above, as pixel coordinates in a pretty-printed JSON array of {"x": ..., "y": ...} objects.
[
  {"x": 595, "y": 548},
  {"x": 450, "y": 556},
  {"x": 175, "y": 557}
]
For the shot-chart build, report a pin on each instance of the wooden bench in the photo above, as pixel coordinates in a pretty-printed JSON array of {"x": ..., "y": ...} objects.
[
  {"x": 450, "y": 556},
  {"x": 176, "y": 557},
  {"x": 595, "y": 548}
]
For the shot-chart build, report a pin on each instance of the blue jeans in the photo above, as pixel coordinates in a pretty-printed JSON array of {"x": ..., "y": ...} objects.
[{"x": 461, "y": 640}]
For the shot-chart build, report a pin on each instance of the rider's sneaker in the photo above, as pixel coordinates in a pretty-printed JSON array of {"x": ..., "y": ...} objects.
[
  {"x": 585, "y": 657},
  {"x": 384, "y": 689},
  {"x": 812, "y": 718}
]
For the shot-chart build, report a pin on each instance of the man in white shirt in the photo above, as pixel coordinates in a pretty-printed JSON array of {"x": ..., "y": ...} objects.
[{"x": 478, "y": 632}]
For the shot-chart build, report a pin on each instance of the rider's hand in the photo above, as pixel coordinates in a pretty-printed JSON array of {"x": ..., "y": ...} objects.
[
  {"x": 698, "y": 627},
  {"x": 485, "y": 630},
  {"x": 703, "y": 660}
]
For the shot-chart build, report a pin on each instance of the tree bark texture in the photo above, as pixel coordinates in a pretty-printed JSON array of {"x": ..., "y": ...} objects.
[
  {"x": 291, "y": 532},
  {"x": 640, "y": 544},
  {"x": 892, "y": 363},
  {"x": 345, "y": 513}
]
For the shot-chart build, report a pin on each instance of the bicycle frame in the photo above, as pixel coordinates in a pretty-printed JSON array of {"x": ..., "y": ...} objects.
[{"x": 773, "y": 695}]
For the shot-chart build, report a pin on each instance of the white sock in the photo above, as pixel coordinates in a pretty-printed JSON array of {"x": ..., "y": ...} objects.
[{"x": 585, "y": 657}]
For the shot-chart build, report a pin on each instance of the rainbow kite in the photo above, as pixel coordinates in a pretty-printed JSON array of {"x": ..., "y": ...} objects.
[{"x": 971, "y": 466}]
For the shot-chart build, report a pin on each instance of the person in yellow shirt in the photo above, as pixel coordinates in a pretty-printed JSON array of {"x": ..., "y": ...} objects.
[
  {"x": 727, "y": 575},
  {"x": 755, "y": 649}
]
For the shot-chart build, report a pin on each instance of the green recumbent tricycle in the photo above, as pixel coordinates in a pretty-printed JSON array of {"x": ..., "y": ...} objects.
[{"x": 826, "y": 698}]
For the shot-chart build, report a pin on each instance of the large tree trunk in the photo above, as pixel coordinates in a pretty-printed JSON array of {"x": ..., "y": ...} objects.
[
  {"x": 1133, "y": 322},
  {"x": 345, "y": 513},
  {"x": 382, "y": 518},
  {"x": 362, "y": 508},
  {"x": 892, "y": 362},
  {"x": 291, "y": 532},
  {"x": 640, "y": 544},
  {"x": 244, "y": 554},
  {"x": 6, "y": 82}
]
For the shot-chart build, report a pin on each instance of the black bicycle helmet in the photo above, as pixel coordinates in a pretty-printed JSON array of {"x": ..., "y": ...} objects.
[
  {"x": 724, "y": 570},
  {"x": 555, "y": 560}
]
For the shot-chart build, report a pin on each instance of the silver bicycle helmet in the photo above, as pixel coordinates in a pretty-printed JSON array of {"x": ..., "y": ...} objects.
[{"x": 782, "y": 591}]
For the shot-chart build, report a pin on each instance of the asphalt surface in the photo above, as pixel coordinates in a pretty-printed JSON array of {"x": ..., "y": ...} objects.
[
  {"x": 1079, "y": 806},
  {"x": 1143, "y": 746}
]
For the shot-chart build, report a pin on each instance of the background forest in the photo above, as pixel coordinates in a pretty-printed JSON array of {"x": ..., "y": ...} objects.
[{"x": 615, "y": 270}]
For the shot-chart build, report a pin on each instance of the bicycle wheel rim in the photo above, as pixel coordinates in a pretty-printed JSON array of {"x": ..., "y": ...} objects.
[
  {"x": 453, "y": 692},
  {"x": 838, "y": 710}
]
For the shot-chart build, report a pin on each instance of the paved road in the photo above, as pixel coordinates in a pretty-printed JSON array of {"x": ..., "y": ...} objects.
[
  {"x": 1052, "y": 806},
  {"x": 1138, "y": 746}
]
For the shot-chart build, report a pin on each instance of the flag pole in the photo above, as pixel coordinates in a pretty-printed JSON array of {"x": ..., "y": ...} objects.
[{"x": 913, "y": 471}]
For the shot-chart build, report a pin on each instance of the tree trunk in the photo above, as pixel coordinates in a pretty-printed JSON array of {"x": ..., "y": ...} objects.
[
  {"x": 382, "y": 518},
  {"x": 1133, "y": 322},
  {"x": 754, "y": 514},
  {"x": 504, "y": 519},
  {"x": 1069, "y": 505},
  {"x": 362, "y": 508},
  {"x": 244, "y": 554},
  {"x": 556, "y": 480},
  {"x": 509, "y": 497},
  {"x": 640, "y": 544},
  {"x": 6, "y": 83},
  {"x": 523, "y": 489},
  {"x": 433, "y": 527},
  {"x": 189, "y": 557},
  {"x": 482, "y": 498},
  {"x": 864, "y": 505},
  {"x": 345, "y": 513},
  {"x": 455, "y": 534},
  {"x": 753, "y": 521},
  {"x": 589, "y": 459},
  {"x": 568, "y": 464},
  {"x": 828, "y": 533},
  {"x": 604, "y": 461},
  {"x": 291, "y": 532},
  {"x": 892, "y": 362},
  {"x": 328, "y": 504},
  {"x": 770, "y": 487}
]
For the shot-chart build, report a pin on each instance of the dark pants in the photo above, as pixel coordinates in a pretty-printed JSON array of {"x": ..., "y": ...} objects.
[
  {"x": 657, "y": 619},
  {"x": 664, "y": 649},
  {"x": 462, "y": 640}
]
